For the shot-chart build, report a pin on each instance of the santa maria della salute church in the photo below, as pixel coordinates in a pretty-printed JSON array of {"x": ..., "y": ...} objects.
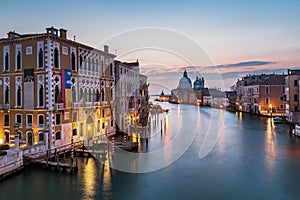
[{"x": 188, "y": 93}]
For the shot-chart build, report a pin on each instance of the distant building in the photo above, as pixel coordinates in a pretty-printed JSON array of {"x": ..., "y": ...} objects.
[
  {"x": 261, "y": 94},
  {"x": 185, "y": 92},
  {"x": 164, "y": 97},
  {"x": 292, "y": 96}
]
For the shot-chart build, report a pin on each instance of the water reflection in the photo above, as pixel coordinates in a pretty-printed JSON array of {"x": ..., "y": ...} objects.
[{"x": 270, "y": 145}]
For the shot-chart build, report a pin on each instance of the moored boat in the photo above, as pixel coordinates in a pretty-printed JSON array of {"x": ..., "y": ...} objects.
[
  {"x": 277, "y": 120},
  {"x": 296, "y": 130}
]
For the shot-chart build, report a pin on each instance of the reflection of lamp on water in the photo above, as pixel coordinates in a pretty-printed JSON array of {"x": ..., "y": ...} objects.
[
  {"x": 270, "y": 109},
  {"x": 1, "y": 141}
]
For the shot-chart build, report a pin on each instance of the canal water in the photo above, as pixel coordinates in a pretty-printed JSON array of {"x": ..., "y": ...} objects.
[{"x": 194, "y": 153}]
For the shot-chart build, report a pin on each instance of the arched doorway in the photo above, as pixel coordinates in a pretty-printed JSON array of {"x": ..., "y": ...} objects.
[
  {"x": 89, "y": 128},
  {"x": 6, "y": 136},
  {"x": 29, "y": 138}
]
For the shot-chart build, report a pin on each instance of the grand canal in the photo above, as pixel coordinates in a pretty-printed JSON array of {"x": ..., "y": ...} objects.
[{"x": 202, "y": 153}]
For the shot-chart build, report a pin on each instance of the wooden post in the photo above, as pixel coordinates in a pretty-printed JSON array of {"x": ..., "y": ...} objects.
[
  {"x": 47, "y": 154},
  {"x": 64, "y": 156}
]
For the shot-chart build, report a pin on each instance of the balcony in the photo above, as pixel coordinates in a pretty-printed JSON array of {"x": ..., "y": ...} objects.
[
  {"x": 76, "y": 105},
  {"x": 58, "y": 106},
  {"x": 4, "y": 106}
]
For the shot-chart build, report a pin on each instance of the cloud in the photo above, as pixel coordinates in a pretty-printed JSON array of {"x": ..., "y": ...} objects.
[{"x": 243, "y": 64}]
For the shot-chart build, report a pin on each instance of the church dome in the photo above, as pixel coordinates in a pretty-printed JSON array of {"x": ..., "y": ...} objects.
[
  {"x": 198, "y": 84},
  {"x": 185, "y": 82}
]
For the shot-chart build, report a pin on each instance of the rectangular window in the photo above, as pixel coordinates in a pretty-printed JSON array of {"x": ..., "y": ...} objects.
[
  {"x": 29, "y": 121},
  {"x": 6, "y": 120},
  {"x": 41, "y": 121},
  {"x": 295, "y": 97},
  {"x": 111, "y": 123},
  {"x": 19, "y": 119},
  {"x": 74, "y": 116},
  {"x": 103, "y": 125},
  {"x": 57, "y": 119},
  {"x": 295, "y": 82},
  {"x": 103, "y": 113}
]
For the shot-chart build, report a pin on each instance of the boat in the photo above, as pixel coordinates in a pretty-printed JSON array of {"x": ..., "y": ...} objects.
[
  {"x": 277, "y": 120},
  {"x": 296, "y": 130}
]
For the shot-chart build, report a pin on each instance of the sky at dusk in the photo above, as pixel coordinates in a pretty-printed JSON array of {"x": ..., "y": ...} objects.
[{"x": 220, "y": 40}]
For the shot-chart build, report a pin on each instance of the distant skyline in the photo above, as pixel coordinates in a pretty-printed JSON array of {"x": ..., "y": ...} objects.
[{"x": 239, "y": 37}]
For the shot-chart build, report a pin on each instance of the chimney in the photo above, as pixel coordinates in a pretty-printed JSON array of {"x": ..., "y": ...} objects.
[
  {"x": 11, "y": 35},
  {"x": 105, "y": 48},
  {"x": 63, "y": 33}
]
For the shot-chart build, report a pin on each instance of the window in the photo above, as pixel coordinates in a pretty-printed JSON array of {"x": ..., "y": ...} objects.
[
  {"x": 295, "y": 82},
  {"x": 29, "y": 121},
  {"x": 111, "y": 123},
  {"x": 267, "y": 90},
  {"x": 80, "y": 61},
  {"x": 111, "y": 69},
  {"x": 102, "y": 95},
  {"x": 267, "y": 100},
  {"x": 6, "y": 62},
  {"x": 103, "y": 125},
  {"x": 56, "y": 93},
  {"x": 57, "y": 119},
  {"x": 283, "y": 90},
  {"x": 41, "y": 137},
  {"x": 41, "y": 58},
  {"x": 74, "y": 132},
  {"x": 18, "y": 67},
  {"x": 103, "y": 113},
  {"x": 6, "y": 120},
  {"x": 295, "y": 97},
  {"x": 74, "y": 116},
  {"x": 41, "y": 96},
  {"x": 56, "y": 58},
  {"x": 58, "y": 135},
  {"x": 281, "y": 106},
  {"x": 41, "y": 121},
  {"x": 19, "y": 96},
  {"x": 19, "y": 119},
  {"x": 73, "y": 61},
  {"x": 6, "y": 97},
  {"x": 296, "y": 108}
]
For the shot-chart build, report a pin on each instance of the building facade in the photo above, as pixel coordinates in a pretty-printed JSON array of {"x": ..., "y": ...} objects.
[
  {"x": 54, "y": 88},
  {"x": 131, "y": 96},
  {"x": 261, "y": 94},
  {"x": 292, "y": 96}
]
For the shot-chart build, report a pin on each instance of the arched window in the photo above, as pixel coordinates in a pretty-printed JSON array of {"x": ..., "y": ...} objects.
[
  {"x": 73, "y": 61},
  {"x": 80, "y": 61},
  {"x": 102, "y": 94},
  {"x": 90, "y": 95},
  {"x": 81, "y": 94},
  {"x": 6, "y": 67},
  {"x": 74, "y": 132},
  {"x": 41, "y": 96},
  {"x": 89, "y": 64},
  {"x": 97, "y": 95},
  {"x": 97, "y": 67},
  {"x": 56, "y": 94},
  {"x": 41, "y": 121},
  {"x": 19, "y": 96},
  {"x": 19, "y": 60},
  {"x": 29, "y": 138},
  {"x": 6, "y": 99},
  {"x": 41, "y": 58},
  {"x": 56, "y": 58},
  {"x": 58, "y": 135},
  {"x": 111, "y": 69}
]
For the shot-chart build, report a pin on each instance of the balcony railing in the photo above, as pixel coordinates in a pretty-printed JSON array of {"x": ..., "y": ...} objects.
[
  {"x": 58, "y": 106},
  {"x": 4, "y": 106}
]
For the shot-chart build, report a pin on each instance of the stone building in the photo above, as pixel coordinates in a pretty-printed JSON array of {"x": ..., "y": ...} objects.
[
  {"x": 292, "y": 96},
  {"x": 53, "y": 87},
  {"x": 131, "y": 96}
]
